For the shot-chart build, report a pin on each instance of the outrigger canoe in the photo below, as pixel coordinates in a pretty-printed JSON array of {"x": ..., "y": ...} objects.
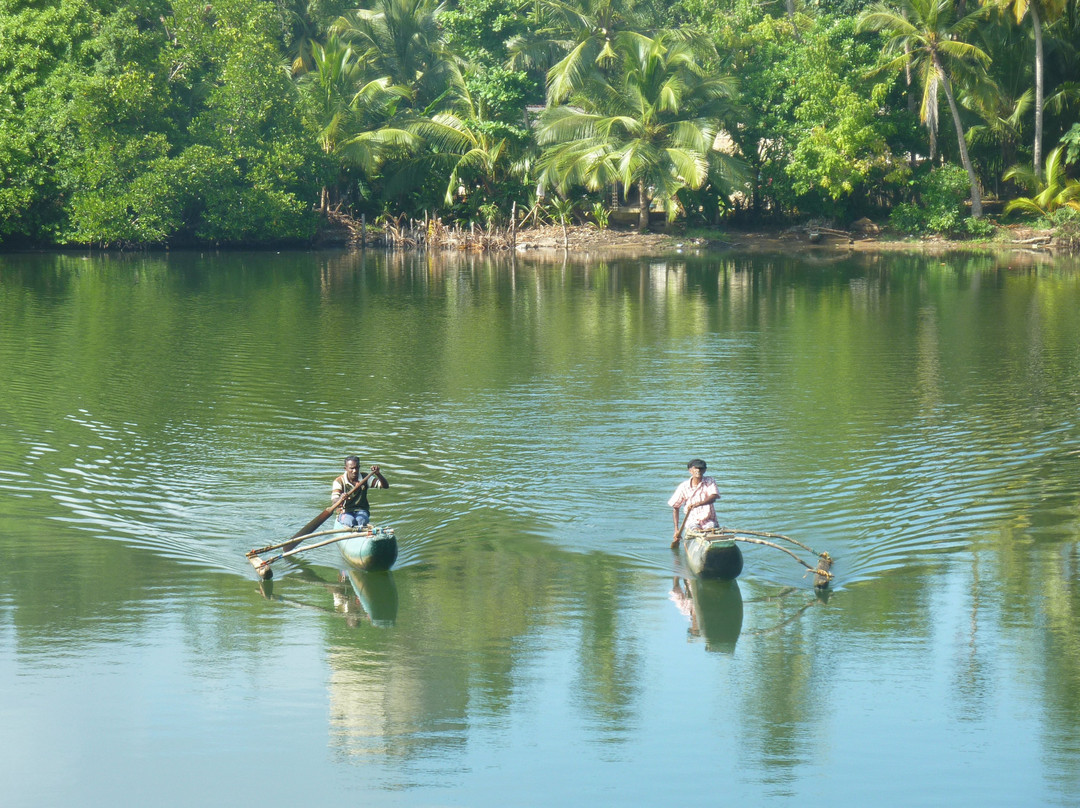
[
  {"x": 713, "y": 554},
  {"x": 370, "y": 548}
]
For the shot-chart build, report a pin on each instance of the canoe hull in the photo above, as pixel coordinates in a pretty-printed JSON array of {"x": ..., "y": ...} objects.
[
  {"x": 372, "y": 552},
  {"x": 713, "y": 554}
]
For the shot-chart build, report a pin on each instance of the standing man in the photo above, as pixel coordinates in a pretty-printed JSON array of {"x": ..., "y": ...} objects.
[
  {"x": 354, "y": 511},
  {"x": 698, "y": 494}
]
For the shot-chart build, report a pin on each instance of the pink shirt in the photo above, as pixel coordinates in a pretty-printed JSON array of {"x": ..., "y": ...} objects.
[{"x": 700, "y": 515}]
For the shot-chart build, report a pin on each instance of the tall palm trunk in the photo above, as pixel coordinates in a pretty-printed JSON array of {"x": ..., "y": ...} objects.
[
  {"x": 791, "y": 17},
  {"x": 932, "y": 119},
  {"x": 643, "y": 211},
  {"x": 912, "y": 103},
  {"x": 946, "y": 85},
  {"x": 1039, "y": 59}
]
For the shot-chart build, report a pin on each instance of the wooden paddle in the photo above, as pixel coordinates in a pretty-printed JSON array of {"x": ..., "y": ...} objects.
[
  {"x": 678, "y": 536},
  {"x": 313, "y": 525}
]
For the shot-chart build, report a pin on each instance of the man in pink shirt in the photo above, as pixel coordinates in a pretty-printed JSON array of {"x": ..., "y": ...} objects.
[{"x": 698, "y": 494}]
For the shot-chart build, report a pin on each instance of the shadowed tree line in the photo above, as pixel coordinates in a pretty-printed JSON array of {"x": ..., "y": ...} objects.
[{"x": 249, "y": 121}]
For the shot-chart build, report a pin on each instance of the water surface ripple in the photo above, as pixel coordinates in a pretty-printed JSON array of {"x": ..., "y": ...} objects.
[
  {"x": 916, "y": 418},
  {"x": 568, "y": 408}
]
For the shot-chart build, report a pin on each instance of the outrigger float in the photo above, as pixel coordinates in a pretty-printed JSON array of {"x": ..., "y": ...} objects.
[
  {"x": 715, "y": 553},
  {"x": 369, "y": 549}
]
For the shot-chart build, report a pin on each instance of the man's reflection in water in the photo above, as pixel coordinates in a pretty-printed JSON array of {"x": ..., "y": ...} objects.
[
  {"x": 714, "y": 608},
  {"x": 684, "y": 602}
]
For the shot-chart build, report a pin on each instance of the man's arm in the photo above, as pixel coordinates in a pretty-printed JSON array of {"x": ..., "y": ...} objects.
[{"x": 675, "y": 519}]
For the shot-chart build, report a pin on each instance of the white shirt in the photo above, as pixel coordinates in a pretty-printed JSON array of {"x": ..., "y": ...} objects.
[{"x": 700, "y": 515}]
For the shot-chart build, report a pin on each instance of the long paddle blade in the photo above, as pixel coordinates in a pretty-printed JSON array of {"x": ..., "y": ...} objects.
[{"x": 314, "y": 524}]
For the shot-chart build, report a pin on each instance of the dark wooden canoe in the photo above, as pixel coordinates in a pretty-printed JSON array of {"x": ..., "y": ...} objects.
[
  {"x": 374, "y": 550},
  {"x": 713, "y": 554}
]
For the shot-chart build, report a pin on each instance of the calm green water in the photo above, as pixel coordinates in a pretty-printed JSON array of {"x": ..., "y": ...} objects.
[{"x": 538, "y": 642}]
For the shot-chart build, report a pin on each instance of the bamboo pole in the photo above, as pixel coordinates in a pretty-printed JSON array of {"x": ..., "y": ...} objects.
[
  {"x": 678, "y": 533},
  {"x": 296, "y": 539},
  {"x": 262, "y": 566},
  {"x": 766, "y": 535}
]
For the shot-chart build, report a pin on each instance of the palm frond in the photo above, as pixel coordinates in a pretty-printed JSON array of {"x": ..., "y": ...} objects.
[
  {"x": 570, "y": 72},
  {"x": 690, "y": 166}
]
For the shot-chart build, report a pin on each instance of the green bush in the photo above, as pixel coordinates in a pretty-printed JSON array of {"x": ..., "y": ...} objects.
[
  {"x": 1066, "y": 224},
  {"x": 601, "y": 215},
  {"x": 980, "y": 228},
  {"x": 907, "y": 217},
  {"x": 939, "y": 206}
]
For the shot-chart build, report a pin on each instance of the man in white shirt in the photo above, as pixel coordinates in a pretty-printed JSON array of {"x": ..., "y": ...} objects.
[{"x": 698, "y": 494}]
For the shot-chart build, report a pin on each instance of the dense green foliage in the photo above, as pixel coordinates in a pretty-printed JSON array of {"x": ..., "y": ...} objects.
[
  {"x": 151, "y": 121},
  {"x": 241, "y": 121}
]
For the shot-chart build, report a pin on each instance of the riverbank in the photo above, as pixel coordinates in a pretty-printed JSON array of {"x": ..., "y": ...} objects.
[
  {"x": 588, "y": 240},
  {"x": 801, "y": 239}
]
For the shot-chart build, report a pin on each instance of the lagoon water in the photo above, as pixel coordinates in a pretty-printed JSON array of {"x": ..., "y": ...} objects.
[{"x": 538, "y": 643}]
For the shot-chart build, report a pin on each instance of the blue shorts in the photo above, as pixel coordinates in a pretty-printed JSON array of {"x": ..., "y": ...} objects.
[{"x": 353, "y": 518}]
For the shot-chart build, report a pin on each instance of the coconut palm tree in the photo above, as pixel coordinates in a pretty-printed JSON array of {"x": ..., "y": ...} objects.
[
  {"x": 654, "y": 124},
  {"x": 350, "y": 110},
  {"x": 303, "y": 33},
  {"x": 929, "y": 34},
  {"x": 573, "y": 39},
  {"x": 402, "y": 39},
  {"x": 1002, "y": 97},
  {"x": 1040, "y": 12},
  {"x": 476, "y": 149},
  {"x": 1002, "y": 116}
]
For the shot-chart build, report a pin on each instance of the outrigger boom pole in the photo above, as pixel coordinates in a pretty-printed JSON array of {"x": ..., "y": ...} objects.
[{"x": 822, "y": 572}]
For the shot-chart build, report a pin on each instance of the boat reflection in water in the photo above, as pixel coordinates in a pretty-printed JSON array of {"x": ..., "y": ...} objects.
[
  {"x": 715, "y": 609},
  {"x": 377, "y": 595},
  {"x": 360, "y": 597}
]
